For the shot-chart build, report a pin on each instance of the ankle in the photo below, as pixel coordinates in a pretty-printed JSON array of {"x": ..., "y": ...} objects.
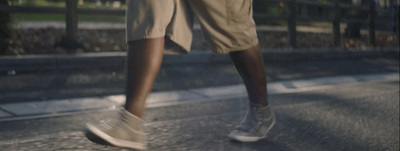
[
  {"x": 259, "y": 104},
  {"x": 135, "y": 113}
]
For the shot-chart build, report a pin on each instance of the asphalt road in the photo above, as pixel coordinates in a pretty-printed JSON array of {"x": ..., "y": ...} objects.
[
  {"x": 357, "y": 116},
  {"x": 61, "y": 84}
]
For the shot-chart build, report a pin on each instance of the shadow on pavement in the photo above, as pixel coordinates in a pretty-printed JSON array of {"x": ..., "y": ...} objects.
[{"x": 264, "y": 144}]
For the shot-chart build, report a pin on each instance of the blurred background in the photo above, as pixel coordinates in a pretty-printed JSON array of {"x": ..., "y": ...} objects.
[
  {"x": 332, "y": 68},
  {"x": 53, "y": 27}
]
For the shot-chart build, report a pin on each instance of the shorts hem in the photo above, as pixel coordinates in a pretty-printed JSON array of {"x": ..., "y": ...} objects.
[
  {"x": 144, "y": 36},
  {"x": 232, "y": 49},
  {"x": 176, "y": 48}
]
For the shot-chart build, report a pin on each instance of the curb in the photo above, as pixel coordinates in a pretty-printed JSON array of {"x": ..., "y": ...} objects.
[
  {"x": 110, "y": 60},
  {"x": 176, "y": 100}
]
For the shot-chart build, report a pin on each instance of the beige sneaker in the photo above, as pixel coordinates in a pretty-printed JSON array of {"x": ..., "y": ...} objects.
[
  {"x": 255, "y": 125},
  {"x": 127, "y": 132}
]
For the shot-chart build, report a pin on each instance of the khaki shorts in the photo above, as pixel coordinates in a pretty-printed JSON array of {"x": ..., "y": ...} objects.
[{"x": 227, "y": 24}]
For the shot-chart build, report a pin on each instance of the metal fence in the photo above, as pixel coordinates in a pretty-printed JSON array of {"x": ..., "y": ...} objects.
[{"x": 71, "y": 11}]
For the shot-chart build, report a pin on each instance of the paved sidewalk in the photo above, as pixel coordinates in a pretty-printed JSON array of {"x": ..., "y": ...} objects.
[
  {"x": 49, "y": 108},
  {"x": 358, "y": 113}
]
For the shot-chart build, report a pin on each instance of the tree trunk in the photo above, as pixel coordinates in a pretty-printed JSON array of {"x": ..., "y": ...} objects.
[
  {"x": 5, "y": 31},
  {"x": 353, "y": 29}
]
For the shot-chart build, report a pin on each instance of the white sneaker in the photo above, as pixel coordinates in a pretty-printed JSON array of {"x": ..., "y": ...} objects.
[
  {"x": 127, "y": 132},
  {"x": 255, "y": 125}
]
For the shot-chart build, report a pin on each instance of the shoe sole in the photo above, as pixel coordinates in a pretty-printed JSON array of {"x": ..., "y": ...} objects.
[
  {"x": 247, "y": 139},
  {"x": 115, "y": 141}
]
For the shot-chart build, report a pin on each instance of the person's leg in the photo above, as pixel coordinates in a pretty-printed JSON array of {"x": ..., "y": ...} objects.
[
  {"x": 145, "y": 18},
  {"x": 259, "y": 118},
  {"x": 250, "y": 65},
  {"x": 144, "y": 61}
]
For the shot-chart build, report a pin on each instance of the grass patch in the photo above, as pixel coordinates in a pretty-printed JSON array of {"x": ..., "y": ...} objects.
[
  {"x": 42, "y": 17},
  {"x": 98, "y": 18},
  {"x": 60, "y": 17},
  {"x": 37, "y": 17},
  {"x": 38, "y": 3},
  {"x": 62, "y": 3}
]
